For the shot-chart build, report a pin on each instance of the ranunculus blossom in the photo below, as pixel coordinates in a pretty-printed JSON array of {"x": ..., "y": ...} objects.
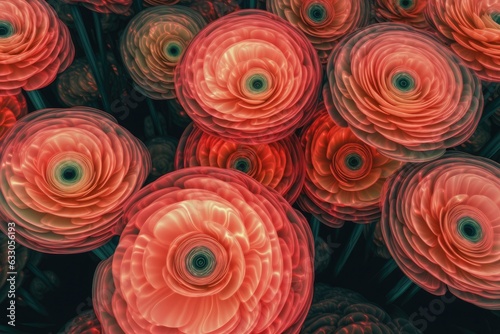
[
  {"x": 12, "y": 108},
  {"x": 121, "y": 7},
  {"x": 410, "y": 12},
  {"x": 65, "y": 176},
  {"x": 344, "y": 175},
  {"x": 84, "y": 323},
  {"x": 472, "y": 28},
  {"x": 278, "y": 165},
  {"x": 249, "y": 77},
  {"x": 343, "y": 311},
  {"x": 441, "y": 224},
  {"x": 154, "y": 42},
  {"x": 399, "y": 90},
  {"x": 324, "y": 22},
  {"x": 207, "y": 250},
  {"x": 34, "y": 45}
]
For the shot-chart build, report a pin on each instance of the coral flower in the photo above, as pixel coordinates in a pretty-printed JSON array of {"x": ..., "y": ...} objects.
[
  {"x": 153, "y": 44},
  {"x": 472, "y": 28},
  {"x": 342, "y": 311},
  {"x": 249, "y": 77},
  {"x": 324, "y": 22},
  {"x": 344, "y": 176},
  {"x": 121, "y": 7},
  {"x": 447, "y": 239},
  {"x": 279, "y": 165},
  {"x": 34, "y": 45},
  {"x": 84, "y": 323},
  {"x": 207, "y": 250},
  {"x": 65, "y": 176},
  {"x": 401, "y": 91},
  {"x": 410, "y": 12},
  {"x": 12, "y": 108}
]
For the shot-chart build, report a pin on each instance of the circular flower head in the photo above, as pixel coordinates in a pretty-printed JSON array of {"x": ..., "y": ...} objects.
[
  {"x": 401, "y": 91},
  {"x": 249, "y": 77},
  {"x": 344, "y": 176},
  {"x": 278, "y": 165},
  {"x": 121, "y": 7},
  {"x": 12, "y": 108},
  {"x": 231, "y": 255},
  {"x": 77, "y": 87},
  {"x": 472, "y": 28},
  {"x": 153, "y": 44},
  {"x": 411, "y": 12},
  {"x": 84, "y": 323},
  {"x": 324, "y": 22},
  {"x": 448, "y": 238},
  {"x": 342, "y": 311},
  {"x": 65, "y": 176},
  {"x": 162, "y": 151},
  {"x": 34, "y": 45}
]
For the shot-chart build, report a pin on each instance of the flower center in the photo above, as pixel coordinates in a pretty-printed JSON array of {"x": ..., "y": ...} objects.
[
  {"x": 200, "y": 261},
  {"x": 242, "y": 164},
  {"x": 68, "y": 173},
  {"x": 257, "y": 83},
  {"x": 496, "y": 17},
  {"x": 353, "y": 161},
  {"x": 406, "y": 4},
  {"x": 317, "y": 12},
  {"x": 173, "y": 51},
  {"x": 403, "y": 82},
  {"x": 6, "y": 29},
  {"x": 470, "y": 229}
]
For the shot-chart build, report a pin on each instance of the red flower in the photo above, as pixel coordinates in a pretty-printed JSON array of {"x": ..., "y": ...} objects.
[
  {"x": 121, "y": 7},
  {"x": 230, "y": 255},
  {"x": 278, "y": 165},
  {"x": 65, "y": 176},
  {"x": 472, "y": 28},
  {"x": 401, "y": 91},
  {"x": 249, "y": 77},
  {"x": 344, "y": 176},
  {"x": 447, "y": 239},
  {"x": 324, "y": 22},
  {"x": 410, "y": 12},
  {"x": 153, "y": 44},
  {"x": 34, "y": 45},
  {"x": 12, "y": 108}
]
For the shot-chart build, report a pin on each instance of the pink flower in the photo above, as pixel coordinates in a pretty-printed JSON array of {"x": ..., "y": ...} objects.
[
  {"x": 65, "y": 176},
  {"x": 441, "y": 224},
  {"x": 12, "y": 108},
  {"x": 207, "y": 250},
  {"x": 249, "y": 77}
]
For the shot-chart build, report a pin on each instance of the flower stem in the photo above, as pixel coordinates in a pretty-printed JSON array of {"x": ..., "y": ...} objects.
[
  {"x": 100, "y": 42},
  {"x": 399, "y": 289},
  {"x": 353, "y": 240},
  {"x": 106, "y": 250},
  {"x": 37, "y": 99},
  {"x": 154, "y": 117}
]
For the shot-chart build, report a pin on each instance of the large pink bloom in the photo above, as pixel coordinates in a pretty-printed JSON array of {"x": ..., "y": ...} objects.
[
  {"x": 472, "y": 28},
  {"x": 279, "y": 165},
  {"x": 441, "y": 224},
  {"x": 34, "y": 45},
  {"x": 324, "y": 22},
  {"x": 249, "y": 77},
  {"x": 65, "y": 176},
  {"x": 207, "y": 250},
  {"x": 401, "y": 91},
  {"x": 344, "y": 176},
  {"x": 12, "y": 108}
]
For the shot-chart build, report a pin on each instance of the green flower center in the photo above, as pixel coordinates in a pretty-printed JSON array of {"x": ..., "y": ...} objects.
[
  {"x": 470, "y": 229},
  {"x": 173, "y": 50},
  {"x": 6, "y": 29},
  {"x": 317, "y": 12},
  {"x": 403, "y": 82},
  {"x": 68, "y": 173},
  {"x": 353, "y": 161},
  {"x": 242, "y": 164},
  {"x": 406, "y": 4},
  {"x": 257, "y": 83},
  {"x": 496, "y": 17},
  {"x": 200, "y": 261}
]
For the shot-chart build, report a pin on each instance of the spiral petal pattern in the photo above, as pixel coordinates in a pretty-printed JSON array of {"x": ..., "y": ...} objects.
[
  {"x": 65, "y": 176},
  {"x": 411, "y": 12},
  {"x": 249, "y": 77},
  {"x": 231, "y": 255},
  {"x": 34, "y": 45},
  {"x": 447, "y": 239}
]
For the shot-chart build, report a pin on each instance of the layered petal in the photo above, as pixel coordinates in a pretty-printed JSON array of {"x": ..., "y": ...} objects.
[{"x": 12, "y": 108}]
